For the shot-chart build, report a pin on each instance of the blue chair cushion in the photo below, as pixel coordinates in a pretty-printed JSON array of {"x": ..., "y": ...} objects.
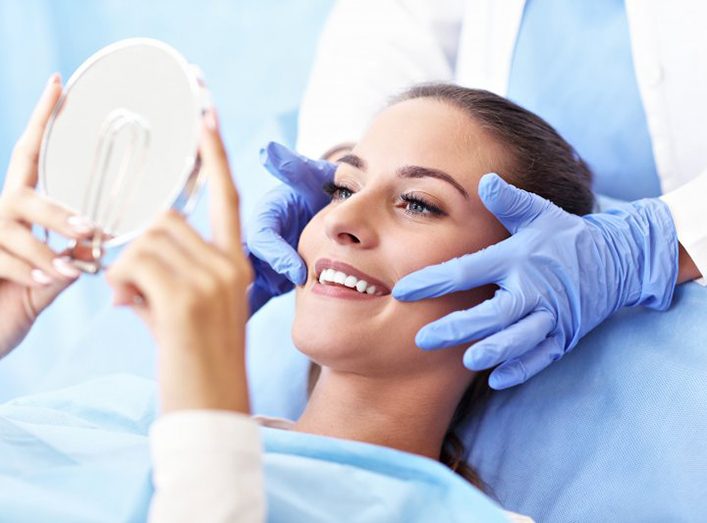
[{"x": 614, "y": 431}]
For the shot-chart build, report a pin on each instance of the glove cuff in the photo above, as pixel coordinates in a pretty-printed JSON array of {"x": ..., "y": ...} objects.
[{"x": 653, "y": 230}]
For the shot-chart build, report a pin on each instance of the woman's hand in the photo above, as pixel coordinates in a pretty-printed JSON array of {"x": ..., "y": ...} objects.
[
  {"x": 192, "y": 295},
  {"x": 31, "y": 274}
]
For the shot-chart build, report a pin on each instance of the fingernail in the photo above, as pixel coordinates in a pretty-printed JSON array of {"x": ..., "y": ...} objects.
[
  {"x": 63, "y": 266},
  {"x": 40, "y": 277},
  {"x": 80, "y": 224},
  {"x": 210, "y": 118},
  {"x": 54, "y": 79}
]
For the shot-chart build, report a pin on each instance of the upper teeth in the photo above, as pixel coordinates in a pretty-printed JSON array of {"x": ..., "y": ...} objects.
[{"x": 341, "y": 278}]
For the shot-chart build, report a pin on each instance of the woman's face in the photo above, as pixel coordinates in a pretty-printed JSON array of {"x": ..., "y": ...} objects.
[{"x": 406, "y": 197}]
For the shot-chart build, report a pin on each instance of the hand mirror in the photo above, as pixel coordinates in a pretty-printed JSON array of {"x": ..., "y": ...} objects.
[{"x": 122, "y": 143}]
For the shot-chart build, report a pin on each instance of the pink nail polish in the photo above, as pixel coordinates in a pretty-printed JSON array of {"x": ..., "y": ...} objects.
[
  {"x": 40, "y": 277},
  {"x": 63, "y": 266}
]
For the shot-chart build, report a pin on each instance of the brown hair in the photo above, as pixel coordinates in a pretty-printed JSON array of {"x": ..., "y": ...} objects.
[{"x": 539, "y": 161}]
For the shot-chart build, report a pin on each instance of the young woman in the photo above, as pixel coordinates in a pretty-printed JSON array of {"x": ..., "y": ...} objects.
[{"x": 407, "y": 196}]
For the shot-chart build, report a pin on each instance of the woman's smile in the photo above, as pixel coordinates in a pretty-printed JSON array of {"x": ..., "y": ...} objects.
[{"x": 341, "y": 280}]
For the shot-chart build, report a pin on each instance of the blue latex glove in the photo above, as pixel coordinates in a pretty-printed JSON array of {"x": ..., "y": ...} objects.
[
  {"x": 559, "y": 275},
  {"x": 274, "y": 230}
]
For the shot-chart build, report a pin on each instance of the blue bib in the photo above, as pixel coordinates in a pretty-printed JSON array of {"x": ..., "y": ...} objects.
[{"x": 81, "y": 455}]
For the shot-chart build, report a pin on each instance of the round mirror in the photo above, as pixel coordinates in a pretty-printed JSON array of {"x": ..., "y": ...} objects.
[{"x": 122, "y": 144}]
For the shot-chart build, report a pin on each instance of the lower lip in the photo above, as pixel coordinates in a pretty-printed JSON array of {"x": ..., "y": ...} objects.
[{"x": 337, "y": 291}]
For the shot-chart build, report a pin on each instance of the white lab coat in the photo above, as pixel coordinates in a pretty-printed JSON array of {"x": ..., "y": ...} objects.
[{"x": 372, "y": 49}]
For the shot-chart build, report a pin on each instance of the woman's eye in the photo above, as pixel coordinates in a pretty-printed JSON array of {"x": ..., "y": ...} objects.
[
  {"x": 417, "y": 206},
  {"x": 337, "y": 192}
]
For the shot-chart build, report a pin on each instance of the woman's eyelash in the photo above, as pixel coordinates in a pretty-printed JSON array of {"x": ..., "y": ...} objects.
[
  {"x": 415, "y": 205},
  {"x": 423, "y": 205},
  {"x": 335, "y": 190}
]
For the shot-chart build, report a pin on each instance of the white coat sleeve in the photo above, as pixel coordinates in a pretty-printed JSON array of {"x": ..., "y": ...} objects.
[
  {"x": 688, "y": 205},
  {"x": 369, "y": 51},
  {"x": 207, "y": 467}
]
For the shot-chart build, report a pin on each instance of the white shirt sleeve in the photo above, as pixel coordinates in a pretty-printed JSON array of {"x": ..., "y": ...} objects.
[
  {"x": 689, "y": 210},
  {"x": 207, "y": 467},
  {"x": 369, "y": 51}
]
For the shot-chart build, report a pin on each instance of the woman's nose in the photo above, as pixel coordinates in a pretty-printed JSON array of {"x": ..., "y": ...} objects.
[{"x": 350, "y": 222}]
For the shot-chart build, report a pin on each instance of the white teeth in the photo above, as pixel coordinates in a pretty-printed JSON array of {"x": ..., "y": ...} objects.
[{"x": 341, "y": 278}]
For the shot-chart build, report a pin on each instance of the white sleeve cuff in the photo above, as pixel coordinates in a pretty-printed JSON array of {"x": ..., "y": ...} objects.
[
  {"x": 207, "y": 467},
  {"x": 688, "y": 205}
]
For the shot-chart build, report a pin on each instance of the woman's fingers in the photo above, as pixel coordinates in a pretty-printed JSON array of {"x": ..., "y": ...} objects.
[
  {"x": 27, "y": 206},
  {"x": 138, "y": 276},
  {"x": 25, "y": 259},
  {"x": 224, "y": 204},
  {"x": 194, "y": 248},
  {"x": 17, "y": 240},
  {"x": 178, "y": 248},
  {"x": 19, "y": 271},
  {"x": 25, "y": 157}
]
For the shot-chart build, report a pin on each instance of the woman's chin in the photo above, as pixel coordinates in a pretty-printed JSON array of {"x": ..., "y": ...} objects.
[{"x": 327, "y": 342}]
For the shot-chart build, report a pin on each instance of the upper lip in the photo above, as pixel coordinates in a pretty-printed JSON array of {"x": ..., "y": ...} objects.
[{"x": 324, "y": 263}]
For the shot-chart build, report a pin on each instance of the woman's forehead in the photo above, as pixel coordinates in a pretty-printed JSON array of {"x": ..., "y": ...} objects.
[{"x": 430, "y": 133}]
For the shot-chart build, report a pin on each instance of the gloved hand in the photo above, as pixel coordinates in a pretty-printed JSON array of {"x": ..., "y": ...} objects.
[
  {"x": 275, "y": 228},
  {"x": 559, "y": 275}
]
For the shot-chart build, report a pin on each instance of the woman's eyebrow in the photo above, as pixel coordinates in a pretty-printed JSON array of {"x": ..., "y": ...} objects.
[
  {"x": 353, "y": 160},
  {"x": 409, "y": 171},
  {"x": 415, "y": 171}
]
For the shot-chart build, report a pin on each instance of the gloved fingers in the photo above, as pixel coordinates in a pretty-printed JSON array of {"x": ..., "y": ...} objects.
[
  {"x": 512, "y": 342},
  {"x": 521, "y": 369},
  {"x": 268, "y": 246},
  {"x": 458, "y": 274},
  {"x": 304, "y": 175},
  {"x": 486, "y": 318},
  {"x": 268, "y": 284},
  {"x": 514, "y": 207}
]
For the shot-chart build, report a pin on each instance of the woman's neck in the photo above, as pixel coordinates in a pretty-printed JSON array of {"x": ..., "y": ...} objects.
[{"x": 408, "y": 414}]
